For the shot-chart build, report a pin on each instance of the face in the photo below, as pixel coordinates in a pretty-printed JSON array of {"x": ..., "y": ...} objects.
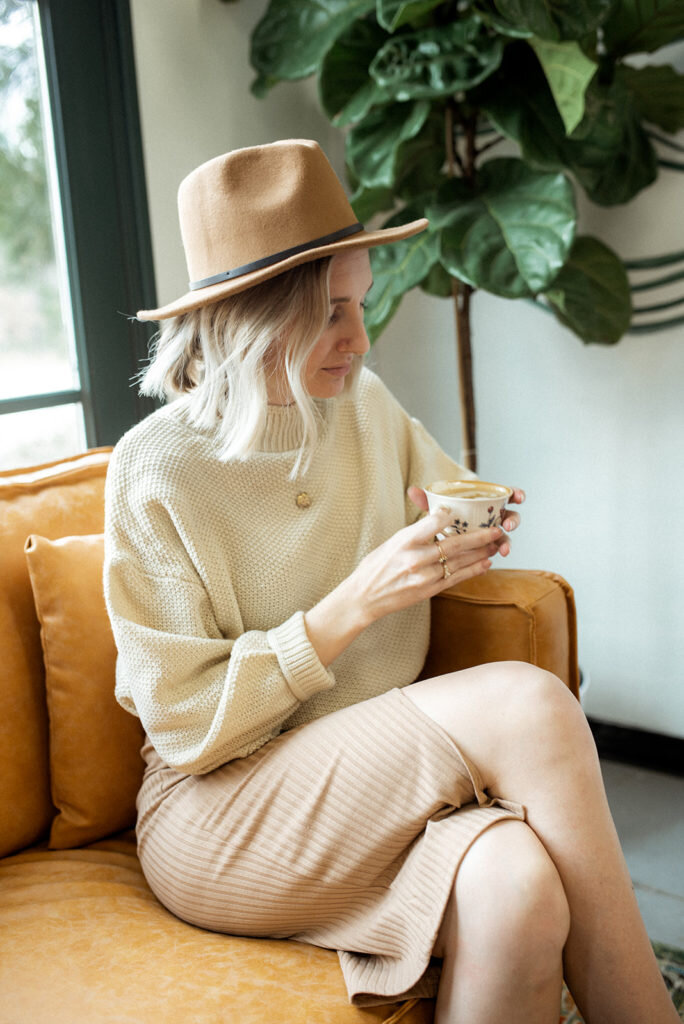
[{"x": 345, "y": 336}]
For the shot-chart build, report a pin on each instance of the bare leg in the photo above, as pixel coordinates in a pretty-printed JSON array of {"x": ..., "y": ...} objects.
[
  {"x": 503, "y": 933},
  {"x": 529, "y": 738}
]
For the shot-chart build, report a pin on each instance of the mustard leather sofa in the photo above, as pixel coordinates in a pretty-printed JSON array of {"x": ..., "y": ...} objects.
[{"x": 82, "y": 938}]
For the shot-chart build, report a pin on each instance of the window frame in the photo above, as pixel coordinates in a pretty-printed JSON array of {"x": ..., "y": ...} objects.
[{"x": 90, "y": 68}]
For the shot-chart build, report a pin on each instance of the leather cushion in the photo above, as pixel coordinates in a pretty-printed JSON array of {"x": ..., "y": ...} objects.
[
  {"x": 95, "y": 762},
  {"x": 53, "y": 500},
  {"x": 507, "y": 614},
  {"x": 84, "y": 939}
]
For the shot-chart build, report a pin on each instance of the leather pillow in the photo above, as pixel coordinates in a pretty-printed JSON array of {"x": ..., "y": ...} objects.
[
  {"x": 95, "y": 763},
  {"x": 55, "y": 499}
]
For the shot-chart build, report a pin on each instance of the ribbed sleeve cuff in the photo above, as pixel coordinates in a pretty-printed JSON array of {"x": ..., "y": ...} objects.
[{"x": 297, "y": 658}]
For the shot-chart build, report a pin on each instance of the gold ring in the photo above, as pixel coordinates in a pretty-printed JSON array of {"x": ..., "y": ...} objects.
[{"x": 443, "y": 560}]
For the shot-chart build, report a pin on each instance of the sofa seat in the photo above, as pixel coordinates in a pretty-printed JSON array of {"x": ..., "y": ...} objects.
[{"x": 84, "y": 939}]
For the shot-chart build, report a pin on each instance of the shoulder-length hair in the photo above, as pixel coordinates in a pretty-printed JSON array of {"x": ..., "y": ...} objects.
[{"x": 220, "y": 357}]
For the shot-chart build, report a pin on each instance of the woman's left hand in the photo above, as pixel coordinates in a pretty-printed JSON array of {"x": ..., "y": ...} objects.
[{"x": 509, "y": 522}]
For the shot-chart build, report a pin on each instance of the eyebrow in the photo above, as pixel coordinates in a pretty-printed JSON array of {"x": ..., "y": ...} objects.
[{"x": 347, "y": 298}]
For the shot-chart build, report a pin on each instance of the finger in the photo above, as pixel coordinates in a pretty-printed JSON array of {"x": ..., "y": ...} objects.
[
  {"x": 426, "y": 528},
  {"x": 510, "y": 520},
  {"x": 518, "y": 496},
  {"x": 418, "y": 497},
  {"x": 463, "y": 572},
  {"x": 463, "y": 543}
]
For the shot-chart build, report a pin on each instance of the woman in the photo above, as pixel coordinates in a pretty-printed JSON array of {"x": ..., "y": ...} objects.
[{"x": 268, "y": 578}]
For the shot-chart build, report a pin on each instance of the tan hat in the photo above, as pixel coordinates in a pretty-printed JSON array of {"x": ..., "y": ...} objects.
[{"x": 254, "y": 213}]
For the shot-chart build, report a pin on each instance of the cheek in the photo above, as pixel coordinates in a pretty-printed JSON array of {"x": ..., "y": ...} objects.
[{"x": 320, "y": 355}]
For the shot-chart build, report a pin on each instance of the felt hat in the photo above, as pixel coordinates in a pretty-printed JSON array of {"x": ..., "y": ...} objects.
[{"x": 253, "y": 213}]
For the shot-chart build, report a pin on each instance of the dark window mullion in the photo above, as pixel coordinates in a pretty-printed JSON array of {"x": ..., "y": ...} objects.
[
  {"x": 89, "y": 57},
  {"x": 27, "y": 403}
]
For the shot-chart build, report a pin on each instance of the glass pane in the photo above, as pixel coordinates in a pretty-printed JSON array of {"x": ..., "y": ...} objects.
[
  {"x": 37, "y": 353},
  {"x": 41, "y": 435}
]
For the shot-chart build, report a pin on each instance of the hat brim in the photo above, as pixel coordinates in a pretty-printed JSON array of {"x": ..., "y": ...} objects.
[{"x": 213, "y": 293}]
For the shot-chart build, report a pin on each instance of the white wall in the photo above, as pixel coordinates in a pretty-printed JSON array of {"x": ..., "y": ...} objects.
[{"x": 594, "y": 434}]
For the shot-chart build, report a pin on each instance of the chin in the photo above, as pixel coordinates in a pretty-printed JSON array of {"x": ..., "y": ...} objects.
[{"x": 328, "y": 388}]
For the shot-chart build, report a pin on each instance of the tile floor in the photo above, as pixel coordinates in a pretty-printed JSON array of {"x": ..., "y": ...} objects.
[{"x": 648, "y": 810}]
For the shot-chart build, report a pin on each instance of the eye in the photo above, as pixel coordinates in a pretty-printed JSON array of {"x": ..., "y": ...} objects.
[{"x": 334, "y": 316}]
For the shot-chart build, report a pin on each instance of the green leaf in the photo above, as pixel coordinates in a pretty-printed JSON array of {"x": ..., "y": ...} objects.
[
  {"x": 375, "y": 144},
  {"x": 591, "y": 293},
  {"x": 489, "y": 16},
  {"x": 366, "y": 202},
  {"x": 561, "y": 19},
  {"x": 393, "y": 13},
  {"x": 512, "y": 234},
  {"x": 438, "y": 282},
  {"x": 609, "y": 152},
  {"x": 293, "y": 37},
  {"x": 398, "y": 268},
  {"x": 641, "y": 26},
  {"x": 417, "y": 171},
  {"x": 345, "y": 87},
  {"x": 568, "y": 73},
  {"x": 658, "y": 93},
  {"x": 437, "y": 62},
  {"x": 421, "y": 159}
]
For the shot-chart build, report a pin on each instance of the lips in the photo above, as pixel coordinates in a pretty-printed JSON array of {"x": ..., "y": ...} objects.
[{"x": 338, "y": 371}]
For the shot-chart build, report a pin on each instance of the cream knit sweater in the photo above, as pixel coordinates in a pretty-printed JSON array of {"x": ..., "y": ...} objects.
[{"x": 210, "y": 567}]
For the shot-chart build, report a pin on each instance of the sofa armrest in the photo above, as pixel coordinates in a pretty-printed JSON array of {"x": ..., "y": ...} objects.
[{"x": 506, "y": 615}]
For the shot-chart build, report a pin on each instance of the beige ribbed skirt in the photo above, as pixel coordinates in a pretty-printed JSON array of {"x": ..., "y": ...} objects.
[{"x": 345, "y": 832}]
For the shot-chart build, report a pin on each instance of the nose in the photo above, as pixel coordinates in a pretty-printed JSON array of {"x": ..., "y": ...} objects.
[{"x": 355, "y": 340}]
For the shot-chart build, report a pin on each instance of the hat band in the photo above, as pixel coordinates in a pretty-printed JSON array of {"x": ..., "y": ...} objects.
[{"x": 277, "y": 257}]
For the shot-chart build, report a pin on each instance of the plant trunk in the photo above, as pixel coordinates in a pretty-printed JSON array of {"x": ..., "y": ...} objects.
[{"x": 462, "y": 292}]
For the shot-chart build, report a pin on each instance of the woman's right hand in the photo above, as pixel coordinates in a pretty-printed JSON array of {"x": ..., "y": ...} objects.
[
  {"x": 407, "y": 567},
  {"x": 401, "y": 572}
]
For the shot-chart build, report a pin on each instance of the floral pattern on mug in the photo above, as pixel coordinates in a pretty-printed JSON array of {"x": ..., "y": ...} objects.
[{"x": 491, "y": 518}]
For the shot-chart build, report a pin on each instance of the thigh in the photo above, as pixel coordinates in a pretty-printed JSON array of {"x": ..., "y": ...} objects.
[
  {"x": 335, "y": 803},
  {"x": 506, "y": 717}
]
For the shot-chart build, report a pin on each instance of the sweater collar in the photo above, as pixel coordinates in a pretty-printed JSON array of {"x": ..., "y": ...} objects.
[{"x": 284, "y": 429}]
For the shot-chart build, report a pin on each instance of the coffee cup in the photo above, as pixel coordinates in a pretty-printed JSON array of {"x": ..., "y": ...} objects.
[{"x": 475, "y": 504}]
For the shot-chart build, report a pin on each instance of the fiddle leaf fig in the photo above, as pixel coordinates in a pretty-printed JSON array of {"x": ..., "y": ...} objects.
[
  {"x": 375, "y": 145},
  {"x": 438, "y": 282},
  {"x": 563, "y": 19},
  {"x": 568, "y": 73},
  {"x": 609, "y": 152},
  {"x": 658, "y": 94},
  {"x": 366, "y": 202},
  {"x": 397, "y": 268},
  {"x": 512, "y": 233},
  {"x": 591, "y": 293},
  {"x": 346, "y": 90},
  {"x": 641, "y": 26},
  {"x": 393, "y": 13},
  {"x": 293, "y": 37},
  {"x": 433, "y": 63}
]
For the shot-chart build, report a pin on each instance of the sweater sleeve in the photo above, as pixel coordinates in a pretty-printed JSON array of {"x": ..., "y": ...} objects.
[{"x": 203, "y": 698}]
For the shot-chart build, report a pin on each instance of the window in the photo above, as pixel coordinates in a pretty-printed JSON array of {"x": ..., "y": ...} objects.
[{"x": 75, "y": 254}]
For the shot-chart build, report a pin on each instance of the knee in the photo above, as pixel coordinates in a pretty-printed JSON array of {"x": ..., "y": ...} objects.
[
  {"x": 509, "y": 885},
  {"x": 541, "y": 709}
]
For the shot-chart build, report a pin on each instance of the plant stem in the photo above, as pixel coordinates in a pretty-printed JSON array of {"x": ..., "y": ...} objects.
[
  {"x": 461, "y": 293},
  {"x": 460, "y": 290}
]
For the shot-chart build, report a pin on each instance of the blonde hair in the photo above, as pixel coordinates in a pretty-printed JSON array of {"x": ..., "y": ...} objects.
[{"x": 220, "y": 358}]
